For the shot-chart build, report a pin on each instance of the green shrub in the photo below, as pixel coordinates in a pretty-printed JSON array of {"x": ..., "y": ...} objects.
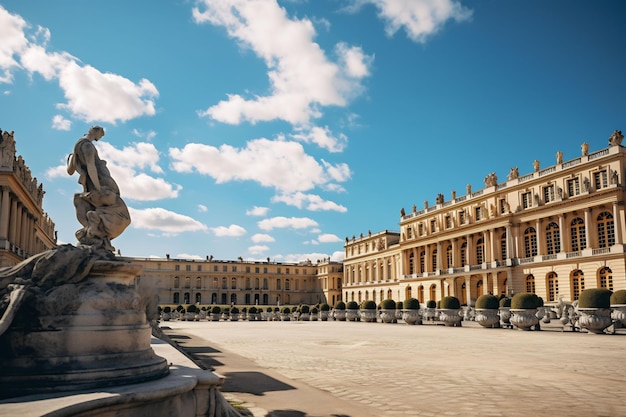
[
  {"x": 305, "y": 309},
  {"x": 269, "y": 309},
  {"x": 399, "y": 305},
  {"x": 226, "y": 310},
  {"x": 487, "y": 301},
  {"x": 524, "y": 300},
  {"x": 411, "y": 304},
  {"x": 340, "y": 305},
  {"x": 286, "y": 310},
  {"x": 244, "y": 310},
  {"x": 539, "y": 301},
  {"x": 314, "y": 310},
  {"x": 276, "y": 309},
  {"x": 431, "y": 304},
  {"x": 294, "y": 309},
  {"x": 234, "y": 310},
  {"x": 324, "y": 307},
  {"x": 595, "y": 298},
  {"x": 368, "y": 305},
  {"x": 167, "y": 309},
  {"x": 505, "y": 302},
  {"x": 180, "y": 309},
  {"x": 618, "y": 297},
  {"x": 388, "y": 304},
  {"x": 216, "y": 310},
  {"x": 252, "y": 310},
  {"x": 352, "y": 305},
  {"x": 449, "y": 303}
]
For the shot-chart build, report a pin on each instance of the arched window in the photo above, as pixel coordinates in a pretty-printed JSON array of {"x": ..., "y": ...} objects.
[
  {"x": 552, "y": 285},
  {"x": 367, "y": 295},
  {"x": 216, "y": 283},
  {"x": 577, "y": 283},
  {"x": 389, "y": 294},
  {"x": 420, "y": 293},
  {"x": 434, "y": 259},
  {"x": 248, "y": 286},
  {"x": 606, "y": 230},
  {"x": 407, "y": 292},
  {"x": 530, "y": 283},
  {"x": 553, "y": 239},
  {"x": 433, "y": 292},
  {"x": 187, "y": 282},
  {"x": 265, "y": 286},
  {"x": 233, "y": 283},
  {"x": 256, "y": 283},
  {"x": 577, "y": 231},
  {"x": 382, "y": 295},
  {"x": 374, "y": 296},
  {"x": 422, "y": 262},
  {"x": 233, "y": 298},
  {"x": 352, "y": 296},
  {"x": 186, "y": 298},
  {"x": 503, "y": 246},
  {"x": 605, "y": 278},
  {"x": 214, "y": 298},
  {"x": 198, "y": 282},
  {"x": 411, "y": 263},
  {"x": 463, "y": 254},
  {"x": 530, "y": 242},
  {"x": 278, "y": 284},
  {"x": 359, "y": 299},
  {"x": 224, "y": 283},
  {"x": 480, "y": 251},
  {"x": 198, "y": 298},
  {"x": 287, "y": 285},
  {"x": 176, "y": 282},
  {"x": 449, "y": 256},
  {"x": 176, "y": 299},
  {"x": 479, "y": 287}
]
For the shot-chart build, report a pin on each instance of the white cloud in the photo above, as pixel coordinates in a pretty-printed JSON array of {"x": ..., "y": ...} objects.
[
  {"x": 13, "y": 42},
  {"x": 231, "y": 231},
  {"x": 302, "y": 78},
  {"x": 322, "y": 137},
  {"x": 61, "y": 123},
  {"x": 164, "y": 220},
  {"x": 202, "y": 208},
  {"x": 286, "y": 222},
  {"x": 419, "y": 18},
  {"x": 311, "y": 202},
  {"x": 272, "y": 163},
  {"x": 298, "y": 257},
  {"x": 338, "y": 256},
  {"x": 328, "y": 238},
  {"x": 257, "y": 211},
  {"x": 188, "y": 256},
  {"x": 258, "y": 249},
  {"x": 149, "y": 135},
  {"x": 262, "y": 237},
  {"x": 338, "y": 172}
]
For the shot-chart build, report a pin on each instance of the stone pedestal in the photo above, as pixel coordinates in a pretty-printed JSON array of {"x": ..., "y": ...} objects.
[{"x": 78, "y": 336}]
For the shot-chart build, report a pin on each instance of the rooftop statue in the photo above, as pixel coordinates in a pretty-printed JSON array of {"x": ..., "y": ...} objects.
[
  {"x": 99, "y": 208},
  {"x": 616, "y": 138}
]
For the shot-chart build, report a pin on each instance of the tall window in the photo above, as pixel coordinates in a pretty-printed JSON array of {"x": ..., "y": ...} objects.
[
  {"x": 265, "y": 286},
  {"x": 552, "y": 286},
  {"x": 422, "y": 261},
  {"x": 233, "y": 283},
  {"x": 605, "y": 278},
  {"x": 527, "y": 200},
  {"x": 478, "y": 213},
  {"x": 187, "y": 282},
  {"x": 198, "y": 298},
  {"x": 411, "y": 263},
  {"x": 420, "y": 293},
  {"x": 573, "y": 187},
  {"x": 502, "y": 206},
  {"x": 548, "y": 193},
  {"x": 606, "y": 230},
  {"x": 176, "y": 298},
  {"x": 409, "y": 232},
  {"x": 278, "y": 284},
  {"x": 433, "y": 292},
  {"x": 449, "y": 256},
  {"x": 463, "y": 253},
  {"x": 578, "y": 284},
  {"x": 287, "y": 285},
  {"x": 600, "y": 179},
  {"x": 176, "y": 282},
  {"x": 480, "y": 251},
  {"x": 198, "y": 282},
  {"x": 553, "y": 239},
  {"x": 577, "y": 231},
  {"x": 434, "y": 260},
  {"x": 462, "y": 217},
  {"x": 530, "y": 283},
  {"x": 503, "y": 246},
  {"x": 433, "y": 226},
  {"x": 216, "y": 282},
  {"x": 448, "y": 222},
  {"x": 530, "y": 242}
]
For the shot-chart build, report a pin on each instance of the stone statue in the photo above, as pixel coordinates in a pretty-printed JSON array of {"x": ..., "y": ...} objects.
[
  {"x": 7, "y": 149},
  {"x": 402, "y": 213},
  {"x": 453, "y": 195},
  {"x": 99, "y": 208},
  {"x": 616, "y": 138},
  {"x": 468, "y": 189},
  {"x": 584, "y": 148},
  {"x": 559, "y": 157},
  {"x": 513, "y": 174},
  {"x": 491, "y": 180},
  {"x": 536, "y": 165},
  {"x": 439, "y": 199}
]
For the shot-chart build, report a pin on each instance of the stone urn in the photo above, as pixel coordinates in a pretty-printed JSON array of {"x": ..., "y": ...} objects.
[
  {"x": 304, "y": 317},
  {"x": 352, "y": 315},
  {"x": 388, "y": 316},
  {"x": 411, "y": 316},
  {"x": 618, "y": 313},
  {"x": 339, "y": 315},
  {"x": 505, "y": 315},
  {"x": 524, "y": 318},
  {"x": 595, "y": 320},
  {"x": 430, "y": 314},
  {"x": 368, "y": 315},
  {"x": 451, "y": 317},
  {"x": 486, "y": 311},
  {"x": 324, "y": 315}
]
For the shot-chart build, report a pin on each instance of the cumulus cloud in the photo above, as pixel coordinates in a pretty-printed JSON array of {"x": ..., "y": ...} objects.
[
  {"x": 164, "y": 221},
  {"x": 231, "y": 231},
  {"x": 311, "y": 202},
  {"x": 328, "y": 238},
  {"x": 262, "y": 237},
  {"x": 257, "y": 211},
  {"x": 258, "y": 249},
  {"x": 301, "y": 76},
  {"x": 61, "y": 123},
  {"x": 322, "y": 137},
  {"x": 91, "y": 95},
  {"x": 286, "y": 223},
  {"x": 202, "y": 208},
  {"x": 281, "y": 164},
  {"x": 418, "y": 18},
  {"x": 299, "y": 257}
]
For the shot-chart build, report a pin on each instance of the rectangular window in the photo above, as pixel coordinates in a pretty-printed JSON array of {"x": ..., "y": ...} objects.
[
  {"x": 573, "y": 187},
  {"x": 234, "y": 269},
  {"x": 527, "y": 200},
  {"x": 214, "y": 268},
  {"x": 248, "y": 269},
  {"x": 462, "y": 217},
  {"x": 278, "y": 270},
  {"x": 478, "y": 213},
  {"x": 448, "y": 222},
  {"x": 433, "y": 226},
  {"x": 548, "y": 193},
  {"x": 199, "y": 268},
  {"x": 421, "y": 229},
  {"x": 256, "y": 269},
  {"x": 502, "y": 204},
  {"x": 409, "y": 232},
  {"x": 265, "y": 270},
  {"x": 187, "y": 267},
  {"x": 224, "y": 268},
  {"x": 600, "y": 179},
  {"x": 176, "y": 267}
]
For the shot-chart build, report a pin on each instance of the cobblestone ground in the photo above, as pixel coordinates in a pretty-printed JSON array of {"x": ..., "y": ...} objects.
[{"x": 401, "y": 370}]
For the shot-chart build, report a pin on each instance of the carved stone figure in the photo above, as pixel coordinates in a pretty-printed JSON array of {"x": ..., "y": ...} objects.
[
  {"x": 402, "y": 212},
  {"x": 559, "y": 157},
  {"x": 468, "y": 189},
  {"x": 491, "y": 180},
  {"x": 584, "y": 148},
  {"x": 536, "y": 165},
  {"x": 7, "y": 149},
  {"x": 439, "y": 198},
  {"x": 453, "y": 195},
  {"x": 99, "y": 208},
  {"x": 614, "y": 177},
  {"x": 513, "y": 174},
  {"x": 616, "y": 138}
]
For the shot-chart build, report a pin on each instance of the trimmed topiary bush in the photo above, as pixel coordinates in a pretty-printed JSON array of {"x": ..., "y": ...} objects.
[
  {"x": 505, "y": 302},
  {"x": 304, "y": 309},
  {"x": 252, "y": 310},
  {"x": 216, "y": 310},
  {"x": 399, "y": 305},
  {"x": 324, "y": 307},
  {"x": 524, "y": 301},
  {"x": 449, "y": 303},
  {"x": 487, "y": 301},
  {"x": 431, "y": 304},
  {"x": 618, "y": 297},
  {"x": 411, "y": 304},
  {"x": 286, "y": 310},
  {"x": 192, "y": 309},
  {"x": 352, "y": 305},
  {"x": 595, "y": 298},
  {"x": 234, "y": 310},
  {"x": 314, "y": 310},
  {"x": 388, "y": 304},
  {"x": 167, "y": 309},
  {"x": 340, "y": 305},
  {"x": 368, "y": 305}
]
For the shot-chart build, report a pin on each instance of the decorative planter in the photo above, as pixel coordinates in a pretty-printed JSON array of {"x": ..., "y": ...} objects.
[
  {"x": 352, "y": 315},
  {"x": 524, "y": 319},
  {"x": 430, "y": 314},
  {"x": 165, "y": 316},
  {"x": 286, "y": 317},
  {"x": 398, "y": 314},
  {"x": 304, "y": 317},
  {"x": 451, "y": 317},
  {"x": 505, "y": 315},
  {"x": 368, "y": 316},
  {"x": 340, "y": 315},
  {"x": 618, "y": 313},
  {"x": 234, "y": 316},
  {"x": 595, "y": 320},
  {"x": 487, "y": 317},
  {"x": 412, "y": 316},
  {"x": 324, "y": 315},
  {"x": 388, "y": 316}
]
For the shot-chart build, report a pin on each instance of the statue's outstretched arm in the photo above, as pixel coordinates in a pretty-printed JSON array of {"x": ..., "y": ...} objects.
[{"x": 16, "y": 298}]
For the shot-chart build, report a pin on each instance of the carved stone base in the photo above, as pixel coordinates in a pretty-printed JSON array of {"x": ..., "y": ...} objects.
[
  {"x": 524, "y": 319},
  {"x": 487, "y": 317},
  {"x": 450, "y": 316},
  {"x": 595, "y": 320},
  {"x": 368, "y": 316}
]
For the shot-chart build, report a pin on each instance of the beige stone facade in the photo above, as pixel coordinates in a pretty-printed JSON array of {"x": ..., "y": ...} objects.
[
  {"x": 204, "y": 282},
  {"x": 25, "y": 229},
  {"x": 330, "y": 277},
  {"x": 554, "y": 231}
]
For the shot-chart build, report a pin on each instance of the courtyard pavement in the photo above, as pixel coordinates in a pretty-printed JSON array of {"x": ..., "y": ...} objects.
[{"x": 355, "y": 369}]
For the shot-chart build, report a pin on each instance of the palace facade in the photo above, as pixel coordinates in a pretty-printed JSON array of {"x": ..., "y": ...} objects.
[
  {"x": 553, "y": 232},
  {"x": 25, "y": 229}
]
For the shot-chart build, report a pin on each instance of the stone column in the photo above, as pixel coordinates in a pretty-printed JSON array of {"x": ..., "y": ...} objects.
[
  {"x": 4, "y": 214},
  {"x": 562, "y": 232},
  {"x": 509, "y": 242},
  {"x": 439, "y": 257},
  {"x": 617, "y": 223},
  {"x": 454, "y": 253},
  {"x": 470, "y": 256},
  {"x": 539, "y": 237},
  {"x": 427, "y": 262},
  {"x": 17, "y": 238},
  {"x": 587, "y": 228}
]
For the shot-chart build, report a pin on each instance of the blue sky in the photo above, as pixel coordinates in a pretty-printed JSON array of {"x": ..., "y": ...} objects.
[{"x": 264, "y": 128}]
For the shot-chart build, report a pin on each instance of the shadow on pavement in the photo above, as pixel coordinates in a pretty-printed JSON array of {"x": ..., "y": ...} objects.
[
  {"x": 255, "y": 383},
  {"x": 296, "y": 413}
]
